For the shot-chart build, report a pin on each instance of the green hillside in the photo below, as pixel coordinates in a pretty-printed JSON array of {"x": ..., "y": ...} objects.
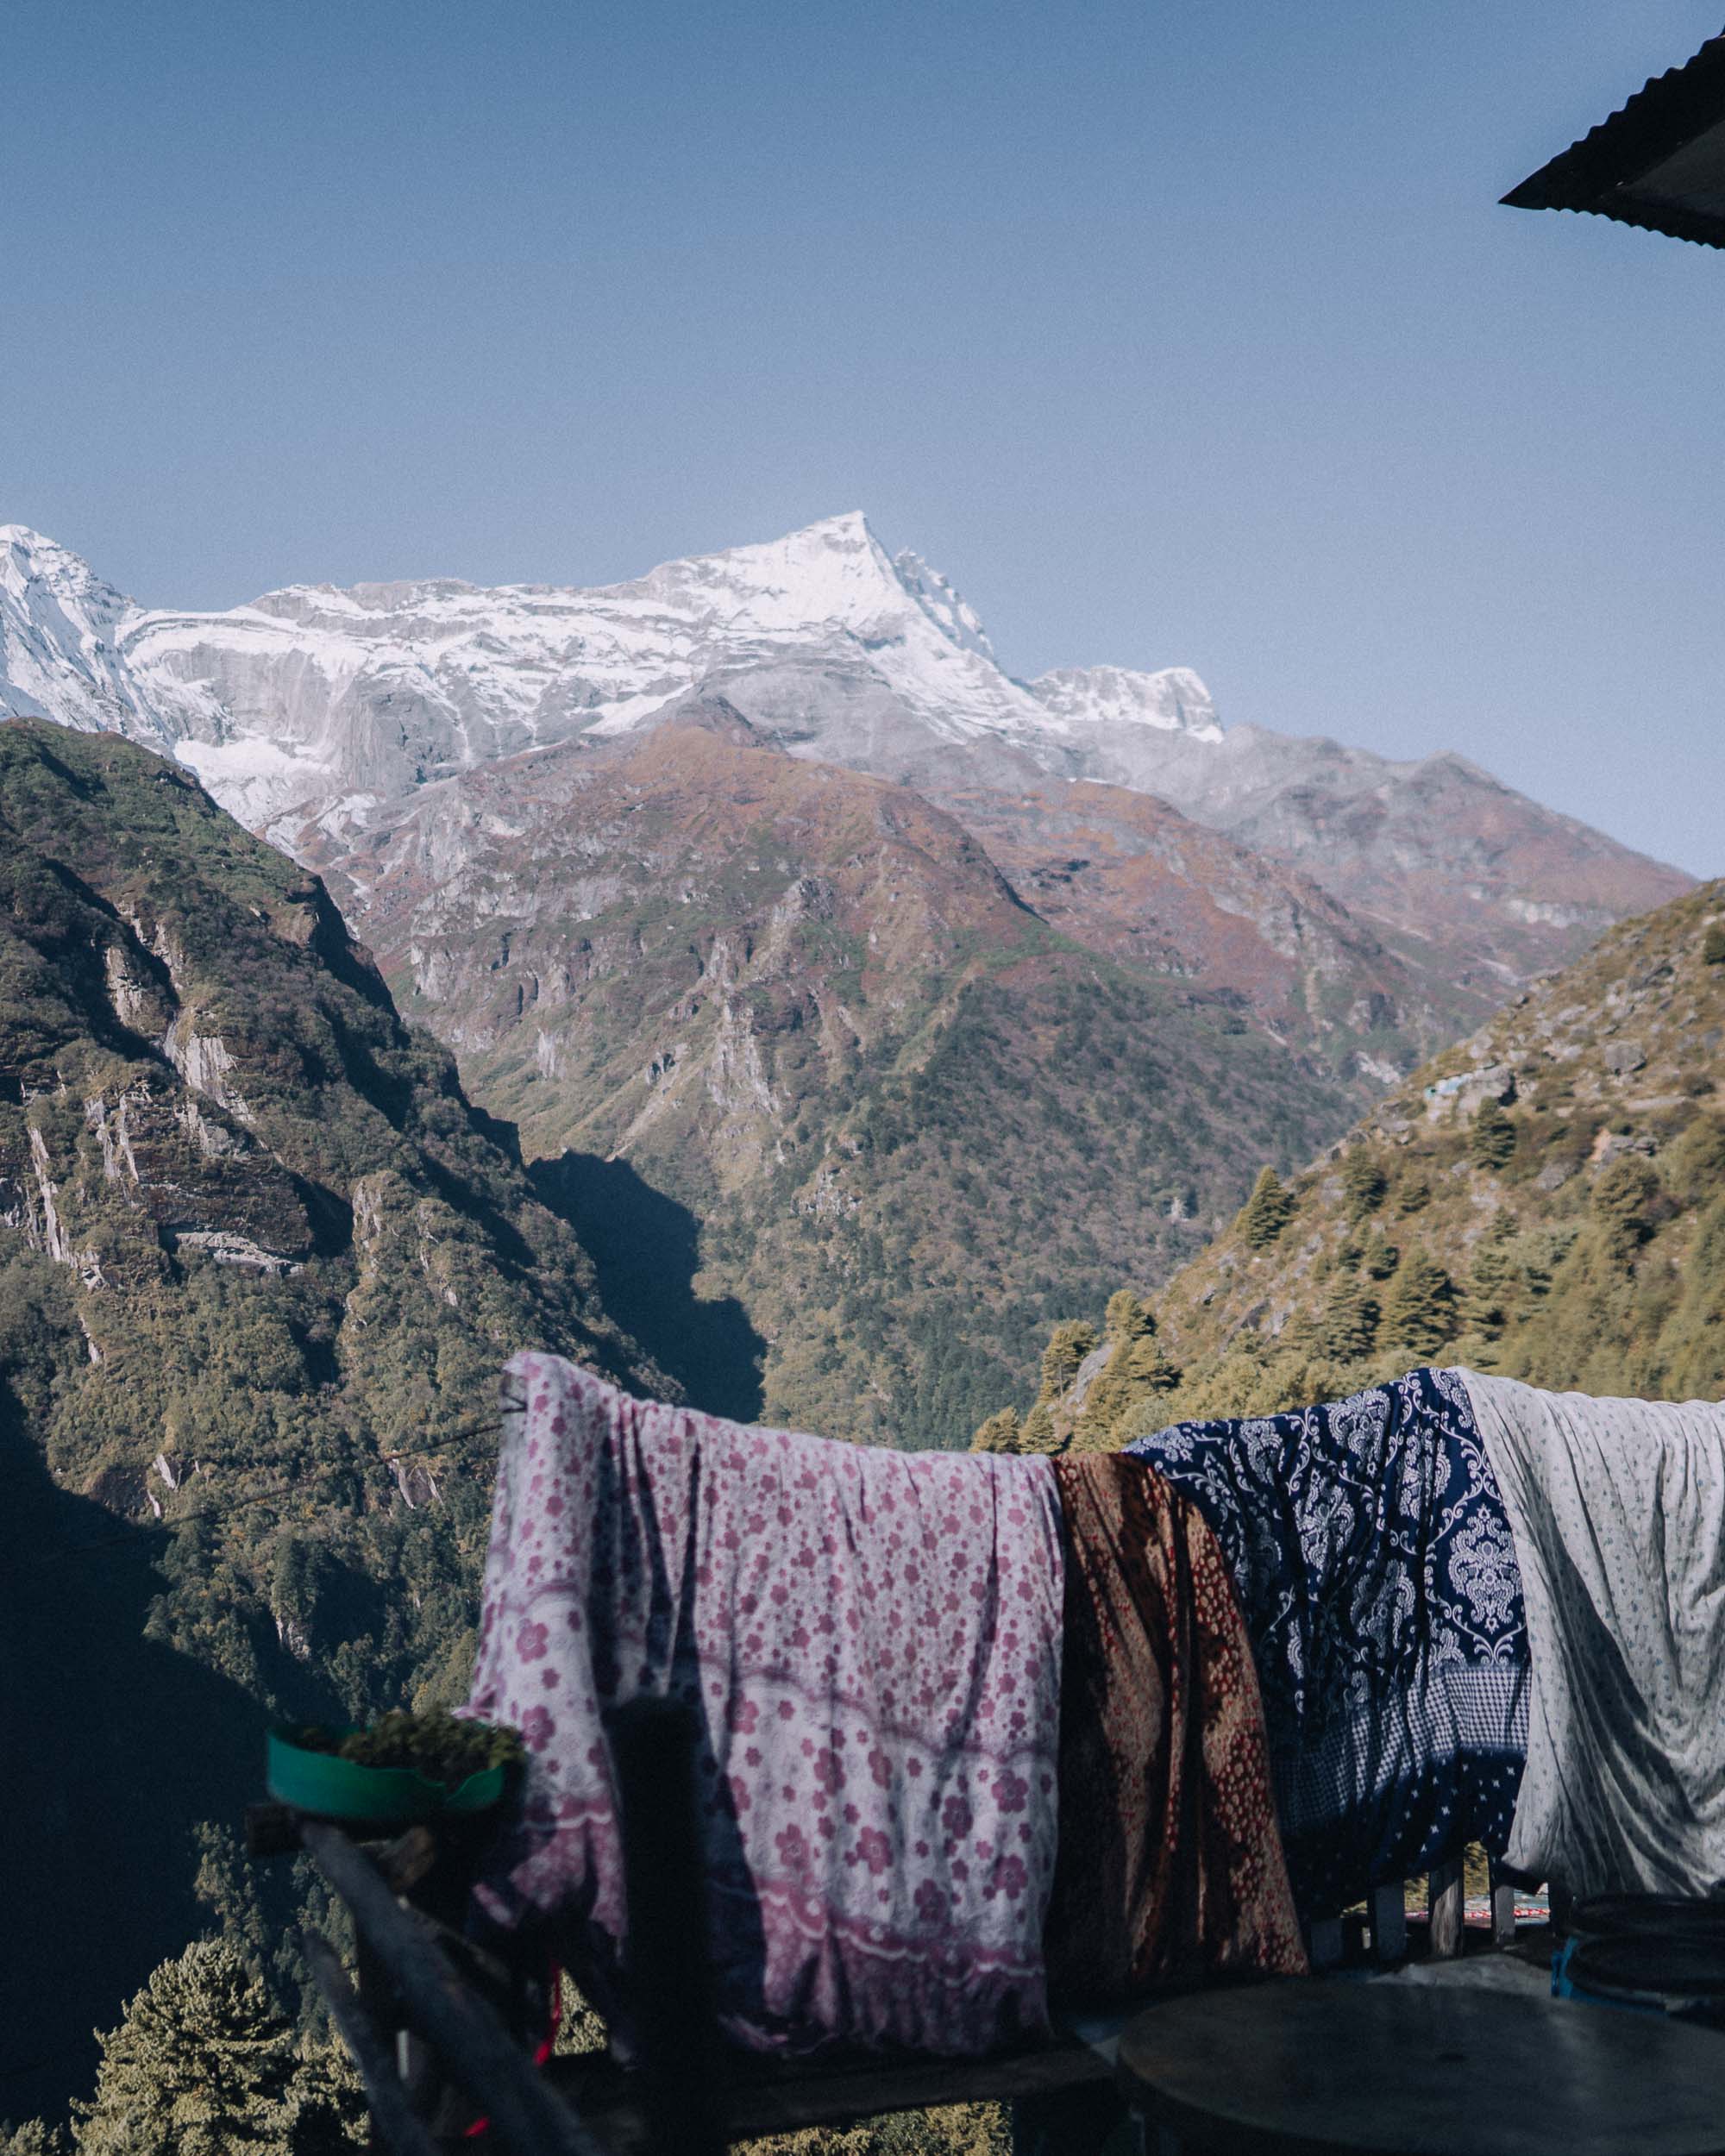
[
  {"x": 1547, "y": 1199},
  {"x": 260, "y": 1262}
]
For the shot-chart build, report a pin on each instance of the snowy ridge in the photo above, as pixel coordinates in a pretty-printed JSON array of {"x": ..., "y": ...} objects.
[
  {"x": 60, "y": 637},
  {"x": 317, "y": 704},
  {"x": 1174, "y": 701}
]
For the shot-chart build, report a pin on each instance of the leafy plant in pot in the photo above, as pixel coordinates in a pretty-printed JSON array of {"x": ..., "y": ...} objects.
[{"x": 403, "y": 1768}]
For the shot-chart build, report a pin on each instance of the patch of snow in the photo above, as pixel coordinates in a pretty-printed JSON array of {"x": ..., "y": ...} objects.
[{"x": 1175, "y": 701}]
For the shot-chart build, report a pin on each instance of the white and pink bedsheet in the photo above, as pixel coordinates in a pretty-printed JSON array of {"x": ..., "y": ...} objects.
[{"x": 873, "y": 1639}]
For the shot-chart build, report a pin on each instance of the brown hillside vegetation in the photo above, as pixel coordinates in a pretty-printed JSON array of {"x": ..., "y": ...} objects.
[
  {"x": 1545, "y": 1199},
  {"x": 906, "y": 1118}
]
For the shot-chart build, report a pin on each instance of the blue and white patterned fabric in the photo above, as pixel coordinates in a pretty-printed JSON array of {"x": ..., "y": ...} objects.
[{"x": 1377, "y": 1575}]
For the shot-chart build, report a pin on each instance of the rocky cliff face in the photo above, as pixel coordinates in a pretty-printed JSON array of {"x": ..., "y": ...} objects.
[
  {"x": 250, "y": 1228},
  {"x": 260, "y": 1264}
]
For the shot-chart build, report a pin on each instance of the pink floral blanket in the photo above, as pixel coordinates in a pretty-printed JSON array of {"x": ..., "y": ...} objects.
[{"x": 873, "y": 1641}]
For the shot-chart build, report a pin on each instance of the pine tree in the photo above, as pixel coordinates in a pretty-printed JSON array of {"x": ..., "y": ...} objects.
[
  {"x": 1150, "y": 1369},
  {"x": 1494, "y": 1284},
  {"x": 1380, "y": 1257},
  {"x": 1038, "y": 1432},
  {"x": 999, "y": 1432},
  {"x": 1068, "y": 1344},
  {"x": 202, "y": 2064},
  {"x": 1624, "y": 1199},
  {"x": 33, "y": 2137},
  {"x": 1348, "y": 1331},
  {"x": 1418, "y": 1311},
  {"x": 1491, "y": 1141},
  {"x": 1267, "y": 1211},
  {"x": 1363, "y": 1182},
  {"x": 1135, "y": 1371},
  {"x": 1128, "y": 1318}
]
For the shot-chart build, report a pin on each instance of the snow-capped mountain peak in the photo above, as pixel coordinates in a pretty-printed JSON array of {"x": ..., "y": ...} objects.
[
  {"x": 61, "y": 629},
  {"x": 317, "y": 702}
]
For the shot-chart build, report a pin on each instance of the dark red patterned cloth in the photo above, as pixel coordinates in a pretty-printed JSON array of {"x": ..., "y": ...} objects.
[{"x": 1170, "y": 1869}]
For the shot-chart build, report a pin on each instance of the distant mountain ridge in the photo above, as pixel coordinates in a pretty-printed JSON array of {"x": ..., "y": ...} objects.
[
  {"x": 311, "y": 710},
  {"x": 311, "y": 697}
]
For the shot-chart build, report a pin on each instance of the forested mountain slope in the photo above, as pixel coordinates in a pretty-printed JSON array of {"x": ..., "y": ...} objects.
[
  {"x": 872, "y": 1111},
  {"x": 903, "y": 1119},
  {"x": 260, "y": 1264},
  {"x": 1547, "y": 1199}
]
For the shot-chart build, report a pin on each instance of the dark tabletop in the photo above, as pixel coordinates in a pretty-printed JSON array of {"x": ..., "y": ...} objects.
[{"x": 1294, "y": 2067}]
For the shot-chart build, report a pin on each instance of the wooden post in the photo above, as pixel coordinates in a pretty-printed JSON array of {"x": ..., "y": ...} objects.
[
  {"x": 668, "y": 1971},
  {"x": 402, "y": 2131},
  {"x": 1448, "y": 1911},
  {"x": 1389, "y": 1921},
  {"x": 1502, "y": 1910}
]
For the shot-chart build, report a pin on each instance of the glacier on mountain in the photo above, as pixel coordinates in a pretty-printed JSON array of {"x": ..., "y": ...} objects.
[{"x": 313, "y": 704}]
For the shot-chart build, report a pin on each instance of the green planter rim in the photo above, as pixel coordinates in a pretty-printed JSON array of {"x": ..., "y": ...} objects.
[{"x": 333, "y": 1788}]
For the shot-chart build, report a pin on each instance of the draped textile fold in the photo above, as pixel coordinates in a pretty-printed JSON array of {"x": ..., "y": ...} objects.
[
  {"x": 872, "y": 1640},
  {"x": 1373, "y": 1559},
  {"x": 1618, "y": 1508},
  {"x": 1170, "y": 1868}
]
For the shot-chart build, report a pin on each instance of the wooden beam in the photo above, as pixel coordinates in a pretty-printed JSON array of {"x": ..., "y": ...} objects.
[
  {"x": 473, "y": 2045},
  {"x": 781, "y": 2097},
  {"x": 405, "y": 2134},
  {"x": 1448, "y": 1910}
]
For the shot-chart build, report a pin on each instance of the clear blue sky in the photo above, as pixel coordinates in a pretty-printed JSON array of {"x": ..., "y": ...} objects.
[{"x": 1174, "y": 334}]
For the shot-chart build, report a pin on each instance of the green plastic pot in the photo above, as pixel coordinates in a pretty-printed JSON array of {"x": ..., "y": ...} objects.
[{"x": 334, "y": 1787}]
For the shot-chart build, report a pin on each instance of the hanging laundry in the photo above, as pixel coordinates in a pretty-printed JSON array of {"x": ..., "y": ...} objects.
[
  {"x": 1376, "y": 1571},
  {"x": 1618, "y": 1508},
  {"x": 1170, "y": 1867},
  {"x": 872, "y": 1640},
  {"x": 876, "y": 1645}
]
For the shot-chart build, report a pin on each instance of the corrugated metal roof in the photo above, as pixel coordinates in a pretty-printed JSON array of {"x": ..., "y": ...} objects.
[{"x": 1659, "y": 163}]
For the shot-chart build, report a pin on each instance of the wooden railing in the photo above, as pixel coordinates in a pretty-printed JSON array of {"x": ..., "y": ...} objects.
[
  {"x": 442, "y": 2030},
  {"x": 1446, "y": 1915}
]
